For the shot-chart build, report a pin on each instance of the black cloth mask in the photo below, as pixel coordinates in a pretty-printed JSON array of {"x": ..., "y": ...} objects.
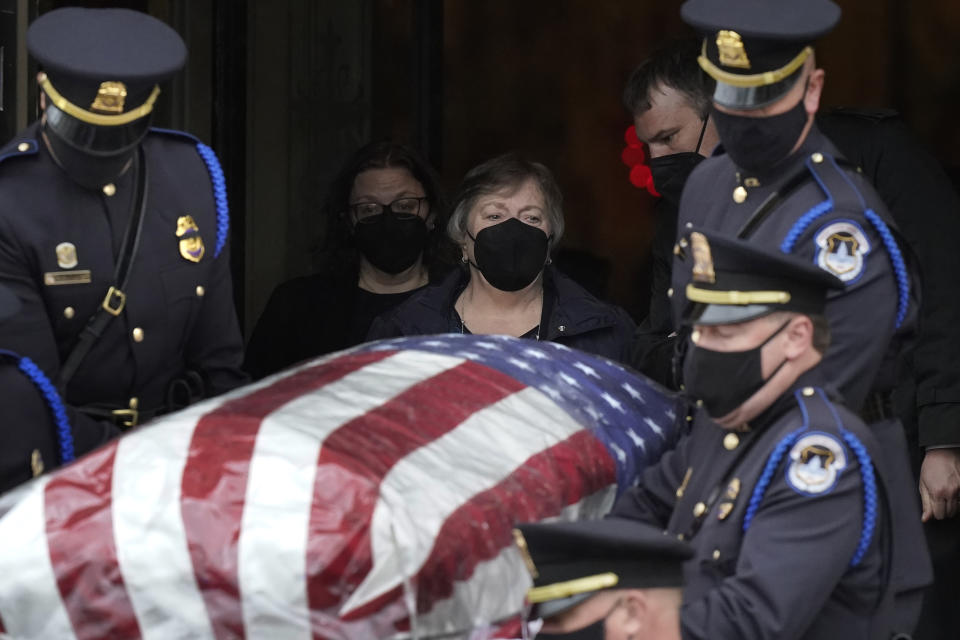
[
  {"x": 724, "y": 380},
  {"x": 756, "y": 144},
  {"x": 670, "y": 173},
  {"x": 391, "y": 243},
  {"x": 593, "y": 631},
  {"x": 88, "y": 169},
  {"x": 511, "y": 254}
]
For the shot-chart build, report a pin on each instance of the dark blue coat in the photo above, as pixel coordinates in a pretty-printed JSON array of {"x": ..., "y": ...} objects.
[
  {"x": 179, "y": 312},
  {"x": 787, "y": 521},
  {"x": 576, "y": 318}
]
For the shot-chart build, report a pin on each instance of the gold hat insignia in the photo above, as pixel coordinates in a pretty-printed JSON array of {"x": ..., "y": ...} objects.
[
  {"x": 66, "y": 255},
  {"x": 730, "y": 47},
  {"x": 702, "y": 259},
  {"x": 110, "y": 98},
  {"x": 191, "y": 243}
]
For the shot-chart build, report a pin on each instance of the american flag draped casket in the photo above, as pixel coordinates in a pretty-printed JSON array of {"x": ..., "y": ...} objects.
[{"x": 368, "y": 494}]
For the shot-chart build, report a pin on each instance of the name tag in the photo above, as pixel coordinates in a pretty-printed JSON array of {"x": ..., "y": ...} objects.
[{"x": 57, "y": 278}]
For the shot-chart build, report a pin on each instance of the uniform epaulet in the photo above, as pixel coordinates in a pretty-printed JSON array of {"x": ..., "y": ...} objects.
[
  {"x": 54, "y": 403},
  {"x": 19, "y": 148},
  {"x": 838, "y": 188},
  {"x": 817, "y": 409},
  {"x": 216, "y": 179}
]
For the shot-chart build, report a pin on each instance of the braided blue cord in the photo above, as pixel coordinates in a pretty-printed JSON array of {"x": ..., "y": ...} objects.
[
  {"x": 896, "y": 261},
  {"x": 801, "y": 225},
  {"x": 772, "y": 463},
  {"x": 869, "y": 485},
  {"x": 54, "y": 403},
  {"x": 219, "y": 195}
]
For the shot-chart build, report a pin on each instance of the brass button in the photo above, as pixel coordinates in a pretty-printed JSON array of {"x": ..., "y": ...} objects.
[
  {"x": 695, "y": 337},
  {"x": 680, "y": 537},
  {"x": 817, "y": 158},
  {"x": 23, "y": 147},
  {"x": 731, "y": 441},
  {"x": 739, "y": 194},
  {"x": 137, "y": 334},
  {"x": 808, "y": 392},
  {"x": 68, "y": 313},
  {"x": 670, "y": 292},
  {"x": 109, "y": 189},
  {"x": 689, "y": 225},
  {"x": 134, "y": 403},
  {"x": 699, "y": 403},
  {"x": 683, "y": 243},
  {"x": 689, "y": 418},
  {"x": 716, "y": 554},
  {"x": 699, "y": 509},
  {"x": 200, "y": 291}
]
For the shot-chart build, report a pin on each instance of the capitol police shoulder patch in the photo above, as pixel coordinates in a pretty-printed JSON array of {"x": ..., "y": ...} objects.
[
  {"x": 815, "y": 464},
  {"x": 842, "y": 249}
]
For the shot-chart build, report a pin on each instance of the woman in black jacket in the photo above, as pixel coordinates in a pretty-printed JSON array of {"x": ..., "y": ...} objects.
[
  {"x": 508, "y": 216},
  {"x": 385, "y": 240}
]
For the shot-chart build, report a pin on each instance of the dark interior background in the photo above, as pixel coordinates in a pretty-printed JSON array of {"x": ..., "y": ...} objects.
[{"x": 284, "y": 90}]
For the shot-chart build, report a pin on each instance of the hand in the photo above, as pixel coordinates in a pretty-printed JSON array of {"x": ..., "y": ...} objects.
[{"x": 940, "y": 483}]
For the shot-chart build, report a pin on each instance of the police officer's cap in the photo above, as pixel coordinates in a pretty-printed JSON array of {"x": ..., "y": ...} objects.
[
  {"x": 101, "y": 70},
  {"x": 736, "y": 281},
  {"x": 571, "y": 561},
  {"x": 755, "y": 49}
]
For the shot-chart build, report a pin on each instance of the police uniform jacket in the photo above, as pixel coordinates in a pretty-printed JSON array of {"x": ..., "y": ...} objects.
[
  {"x": 59, "y": 243},
  {"x": 786, "y": 519},
  {"x": 815, "y": 206}
]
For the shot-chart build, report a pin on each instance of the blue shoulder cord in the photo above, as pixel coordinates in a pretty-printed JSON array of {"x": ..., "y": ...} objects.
[
  {"x": 219, "y": 195},
  {"x": 54, "y": 403},
  {"x": 866, "y": 473},
  {"x": 889, "y": 242}
]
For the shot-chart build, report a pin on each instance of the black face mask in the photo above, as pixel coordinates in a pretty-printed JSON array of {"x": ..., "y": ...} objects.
[
  {"x": 593, "y": 631},
  {"x": 756, "y": 144},
  {"x": 724, "y": 380},
  {"x": 510, "y": 254},
  {"x": 670, "y": 173},
  {"x": 390, "y": 243},
  {"x": 89, "y": 169}
]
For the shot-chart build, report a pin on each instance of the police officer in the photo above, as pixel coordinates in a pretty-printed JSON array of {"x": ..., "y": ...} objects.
[
  {"x": 781, "y": 184},
  {"x": 112, "y": 234},
  {"x": 782, "y": 493},
  {"x": 613, "y": 579}
]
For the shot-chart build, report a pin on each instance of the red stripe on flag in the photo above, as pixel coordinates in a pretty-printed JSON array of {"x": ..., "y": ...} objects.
[
  {"x": 214, "y": 482},
  {"x": 79, "y": 522},
  {"x": 356, "y": 457},
  {"x": 482, "y": 527}
]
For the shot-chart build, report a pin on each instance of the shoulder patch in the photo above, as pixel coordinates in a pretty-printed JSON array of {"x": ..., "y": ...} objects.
[
  {"x": 841, "y": 249},
  {"x": 815, "y": 463}
]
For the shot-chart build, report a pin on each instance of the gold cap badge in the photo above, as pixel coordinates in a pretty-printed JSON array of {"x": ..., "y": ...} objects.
[
  {"x": 66, "y": 255},
  {"x": 191, "y": 244},
  {"x": 730, "y": 47},
  {"x": 110, "y": 98},
  {"x": 702, "y": 259}
]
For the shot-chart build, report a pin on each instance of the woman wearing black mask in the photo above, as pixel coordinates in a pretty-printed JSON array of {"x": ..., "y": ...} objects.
[
  {"x": 507, "y": 218},
  {"x": 384, "y": 242}
]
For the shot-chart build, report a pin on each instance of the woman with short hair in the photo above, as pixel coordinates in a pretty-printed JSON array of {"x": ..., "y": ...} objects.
[{"x": 506, "y": 220}]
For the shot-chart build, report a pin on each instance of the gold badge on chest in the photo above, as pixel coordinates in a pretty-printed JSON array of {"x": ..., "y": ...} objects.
[
  {"x": 66, "y": 255},
  {"x": 191, "y": 244}
]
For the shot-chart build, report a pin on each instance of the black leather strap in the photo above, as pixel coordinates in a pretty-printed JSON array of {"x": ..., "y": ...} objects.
[{"x": 115, "y": 298}]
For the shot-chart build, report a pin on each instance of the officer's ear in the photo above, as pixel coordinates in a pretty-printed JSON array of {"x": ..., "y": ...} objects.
[
  {"x": 811, "y": 99},
  {"x": 799, "y": 334},
  {"x": 636, "y": 617}
]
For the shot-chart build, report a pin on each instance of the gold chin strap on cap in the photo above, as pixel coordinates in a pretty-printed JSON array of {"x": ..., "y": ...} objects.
[
  {"x": 696, "y": 294},
  {"x": 753, "y": 79},
  {"x": 569, "y": 588},
  {"x": 98, "y": 119}
]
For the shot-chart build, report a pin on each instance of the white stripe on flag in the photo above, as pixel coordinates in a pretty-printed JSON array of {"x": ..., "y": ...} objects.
[
  {"x": 148, "y": 528},
  {"x": 497, "y": 588},
  {"x": 30, "y": 603},
  {"x": 489, "y": 446},
  {"x": 272, "y": 571}
]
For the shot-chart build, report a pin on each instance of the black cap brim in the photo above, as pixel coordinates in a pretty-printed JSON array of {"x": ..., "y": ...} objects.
[
  {"x": 745, "y": 98},
  {"x": 717, "y": 314}
]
